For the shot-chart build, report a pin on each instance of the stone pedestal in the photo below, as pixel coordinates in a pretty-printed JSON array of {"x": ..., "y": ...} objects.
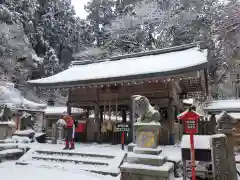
[
  {"x": 147, "y": 134},
  {"x": 144, "y": 160}
]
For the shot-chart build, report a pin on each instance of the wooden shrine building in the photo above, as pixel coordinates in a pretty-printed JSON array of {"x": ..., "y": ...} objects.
[{"x": 164, "y": 76}]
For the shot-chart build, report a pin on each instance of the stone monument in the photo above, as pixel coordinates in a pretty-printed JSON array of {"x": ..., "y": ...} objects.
[
  {"x": 146, "y": 162},
  {"x": 220, "y": 157},
  {"x": 146, "y": 114},
  {"x": 225, "y": 124}
]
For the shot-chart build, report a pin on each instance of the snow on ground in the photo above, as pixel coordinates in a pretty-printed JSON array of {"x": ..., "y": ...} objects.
[
  {"x": 9, "y": 170},
  {"x": 82, "y": 147}
]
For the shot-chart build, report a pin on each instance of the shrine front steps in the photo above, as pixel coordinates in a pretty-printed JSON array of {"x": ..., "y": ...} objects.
[{"x": 98, "y": 163}]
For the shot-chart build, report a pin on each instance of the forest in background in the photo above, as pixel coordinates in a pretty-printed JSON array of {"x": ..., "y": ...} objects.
[{"x": 39, "y": 38}]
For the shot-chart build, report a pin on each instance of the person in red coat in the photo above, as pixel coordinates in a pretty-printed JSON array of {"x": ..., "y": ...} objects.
[{"x": 69, "y": 131}]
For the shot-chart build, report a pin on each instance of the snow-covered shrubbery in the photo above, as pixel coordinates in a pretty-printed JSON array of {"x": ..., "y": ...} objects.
[{"x": 18, "y": 139}]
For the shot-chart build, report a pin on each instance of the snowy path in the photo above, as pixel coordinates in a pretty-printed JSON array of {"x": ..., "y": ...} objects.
[
  {"x": 50, "y": 161},
  {"x": 9, "y": 170}
]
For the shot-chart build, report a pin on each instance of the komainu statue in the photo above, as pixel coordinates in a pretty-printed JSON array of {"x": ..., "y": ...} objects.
[{"x": 143, "y": 108}]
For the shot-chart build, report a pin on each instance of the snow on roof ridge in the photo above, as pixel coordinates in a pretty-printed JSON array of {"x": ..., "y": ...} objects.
[{"x": 140, "y": 54}]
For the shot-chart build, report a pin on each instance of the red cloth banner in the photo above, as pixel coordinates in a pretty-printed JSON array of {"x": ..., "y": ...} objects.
[{"x": 80, "y": 128}]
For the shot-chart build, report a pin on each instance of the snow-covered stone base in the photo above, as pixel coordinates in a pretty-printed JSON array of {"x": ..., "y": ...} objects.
[{"x": 147, "y": 164}]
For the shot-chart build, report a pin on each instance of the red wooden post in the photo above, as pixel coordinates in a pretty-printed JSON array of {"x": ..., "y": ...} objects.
[
  {"x": 122, "y": 140},
  {"x": 192, "y": 156}
]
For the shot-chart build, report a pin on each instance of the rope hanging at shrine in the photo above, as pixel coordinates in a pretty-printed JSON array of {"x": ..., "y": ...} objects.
[{"x": 116, "y": 107}]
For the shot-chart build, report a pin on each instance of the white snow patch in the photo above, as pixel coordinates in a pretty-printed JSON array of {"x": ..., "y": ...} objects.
[
  {"x": 188, "y": 101},
  {"x": 79, "y": 158},
  {"x": 223, "y": 105},
  {"x": 24, "y": 132},
  {"x": 218, "y": 136},
  {"x": 129, "y": 66},
  {"x": 173, "y": 153},
  {"x": 10, "y": 151},
  {"x": 106, "y": 117},
  {"x": 8, "y": 146},
  {"x": 200, "y": 142},
  {"x": 9, "y": 170},
  {"x": 234, "y": 115},
  {"x": 144, "y": 156},
  {"x": 9, "y": 123},
  {"x": 12, "y": 97},
  {"x": 37, "y": 134},
  {"x": 165, "y": 167},
  {"x": 17, "y": 139},
  {"x": 52, "y": 110},
  {"x": 153, "y": 123},
  {"x": 82, "y": 152}
]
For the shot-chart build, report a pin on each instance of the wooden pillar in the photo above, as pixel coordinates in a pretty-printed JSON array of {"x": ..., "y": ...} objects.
[
  {"x": 101, "y": 114},
  {"x": 171, "y": 121},
  {"x": 97, "y": 118},
  {"x": 69, "y": 108},
  {"x": 206, "y": 85},
  {"x": 131, "y": 114},
  {"x": 18, "y": 121},
  {"x": 170, "y": 115},
  {"x": 124, "y": 115}
]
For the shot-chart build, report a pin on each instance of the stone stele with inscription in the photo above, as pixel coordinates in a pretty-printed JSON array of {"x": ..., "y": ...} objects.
[
  {"x": 225, "y": 125},
  {"x": 220, "y": 157}
]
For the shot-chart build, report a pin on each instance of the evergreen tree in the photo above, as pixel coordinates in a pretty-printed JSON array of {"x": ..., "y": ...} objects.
[{"x": 51, "y": 64}]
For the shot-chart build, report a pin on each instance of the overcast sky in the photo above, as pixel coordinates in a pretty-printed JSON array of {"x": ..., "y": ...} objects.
[{"x": 79, "y": 7}]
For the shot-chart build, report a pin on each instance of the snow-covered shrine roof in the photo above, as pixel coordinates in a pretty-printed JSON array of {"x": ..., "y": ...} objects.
[
  {"x": 223, "y": 105},
  {"x": 151, "y": 64}
]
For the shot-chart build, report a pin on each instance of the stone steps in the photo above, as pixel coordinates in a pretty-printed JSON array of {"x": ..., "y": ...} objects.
[
  {"x": 11, "y": 154},
  {"x": 62, "y": 159},
  {"x": 69, "y": 153},
  {"x": 4, "y": 146},
  {"x": 94, "y": 162}
]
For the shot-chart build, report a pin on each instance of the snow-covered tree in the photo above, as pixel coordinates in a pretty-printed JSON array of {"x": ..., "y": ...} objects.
[{"x": 51, "y": 64}]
